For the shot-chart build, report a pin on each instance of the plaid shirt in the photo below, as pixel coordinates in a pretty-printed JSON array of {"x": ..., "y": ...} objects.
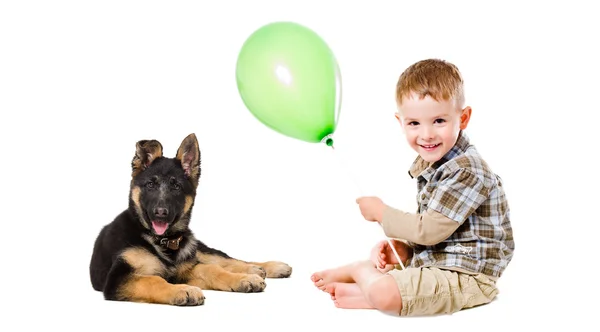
[{"x": 462, "y": 187}]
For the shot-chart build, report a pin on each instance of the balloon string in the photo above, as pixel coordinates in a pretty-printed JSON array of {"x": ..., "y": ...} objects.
[{"x": 342, "y": 165}]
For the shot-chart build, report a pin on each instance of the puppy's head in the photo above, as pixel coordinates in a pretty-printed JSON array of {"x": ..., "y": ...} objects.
[{"x": 163, "y": 189}]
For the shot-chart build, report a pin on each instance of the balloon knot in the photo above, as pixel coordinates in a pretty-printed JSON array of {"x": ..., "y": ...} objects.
[{"x": 328, "y": 140}]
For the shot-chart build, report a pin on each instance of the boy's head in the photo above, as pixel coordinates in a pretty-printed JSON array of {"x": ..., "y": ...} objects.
[{"x": 430, "y": 99}]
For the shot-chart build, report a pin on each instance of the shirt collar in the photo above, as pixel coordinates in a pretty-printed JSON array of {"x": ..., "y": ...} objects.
[{"x": 422, "y": 168}]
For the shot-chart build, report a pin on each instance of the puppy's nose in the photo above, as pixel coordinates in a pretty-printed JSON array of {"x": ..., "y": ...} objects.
[{"x": 161, "y": 212}]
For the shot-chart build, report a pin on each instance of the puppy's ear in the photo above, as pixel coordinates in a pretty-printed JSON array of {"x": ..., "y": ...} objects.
[
  {"x": 146, "y": 151},
  {"x": 189, "y": 156}
]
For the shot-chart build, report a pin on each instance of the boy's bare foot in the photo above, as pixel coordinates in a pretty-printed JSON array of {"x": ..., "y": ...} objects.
[
  {"x": 347, "y": 296},
  {"x": 342, "y": 289},
  {"x": 340, "y": 274},
  {"x": 352, "y": 302}
]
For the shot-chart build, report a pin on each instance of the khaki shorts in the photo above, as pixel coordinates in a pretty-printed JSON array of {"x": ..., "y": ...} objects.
[{"x": 433, "y": 291}]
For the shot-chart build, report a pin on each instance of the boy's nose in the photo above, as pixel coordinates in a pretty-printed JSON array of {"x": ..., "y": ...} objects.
[{"x": 427, "y": 133}]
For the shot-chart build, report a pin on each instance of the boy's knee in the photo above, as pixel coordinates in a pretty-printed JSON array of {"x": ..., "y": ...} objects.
[{"x": 383, "y": 294}]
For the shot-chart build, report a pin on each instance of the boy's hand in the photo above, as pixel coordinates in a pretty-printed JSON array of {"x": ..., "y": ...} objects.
[
  {"x": 377, "y": 255},
  {"x": 371, "y": 208},
  {"x": 382, "y": 254}
]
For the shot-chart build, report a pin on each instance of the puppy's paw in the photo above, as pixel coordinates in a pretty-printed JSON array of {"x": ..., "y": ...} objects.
[
  {"x": 250, "y": 283},
  {"x": 185, "y": 295},
  {"x": 277, "y": 269},
  {"x": 255, "y": 269}
]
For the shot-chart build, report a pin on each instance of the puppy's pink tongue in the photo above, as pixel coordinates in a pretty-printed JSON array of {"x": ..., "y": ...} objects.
[{"x": 159, "y": 227}]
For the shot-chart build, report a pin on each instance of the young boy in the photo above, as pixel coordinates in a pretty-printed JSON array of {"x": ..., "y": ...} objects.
[{"x": 460, "y": 240}]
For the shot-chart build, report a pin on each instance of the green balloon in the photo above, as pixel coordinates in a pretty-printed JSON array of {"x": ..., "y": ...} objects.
[{"x": 289, "y": 79}]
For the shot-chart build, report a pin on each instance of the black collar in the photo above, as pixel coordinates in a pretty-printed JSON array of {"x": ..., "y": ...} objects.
[{"x": 170, "y": 243}]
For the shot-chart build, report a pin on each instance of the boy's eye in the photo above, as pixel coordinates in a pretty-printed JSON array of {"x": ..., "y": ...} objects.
[
  {"x": 413, "y": 123},
  {"x": 439, "y": 121}
]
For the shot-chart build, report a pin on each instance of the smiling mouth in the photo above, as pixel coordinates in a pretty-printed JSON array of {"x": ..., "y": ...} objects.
[{"x": 429, "y": 147}]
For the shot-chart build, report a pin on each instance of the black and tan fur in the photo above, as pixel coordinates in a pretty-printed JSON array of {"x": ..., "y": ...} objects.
[{"x": 131, "y": 261}]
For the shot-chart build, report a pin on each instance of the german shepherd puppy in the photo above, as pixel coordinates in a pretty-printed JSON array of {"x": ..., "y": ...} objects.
[{"x": 148, "y": 252}]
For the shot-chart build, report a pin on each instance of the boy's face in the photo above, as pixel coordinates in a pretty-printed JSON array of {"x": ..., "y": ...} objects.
[{"x": 431, "y": 127}]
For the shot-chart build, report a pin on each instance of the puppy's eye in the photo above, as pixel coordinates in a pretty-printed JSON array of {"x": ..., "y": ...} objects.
[{"x": 150, "y": 185}]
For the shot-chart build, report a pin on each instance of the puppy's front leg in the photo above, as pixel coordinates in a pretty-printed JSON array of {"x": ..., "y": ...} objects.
[
  {"x": 214, "y": 277},
  {"x": 154, "y": 289},
  {"x": 134, "y": 277},
  {"x": 275, "y": 269},
  {"x": 270, "y": 269}
]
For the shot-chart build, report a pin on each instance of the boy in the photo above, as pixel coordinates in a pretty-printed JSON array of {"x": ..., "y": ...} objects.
[{"x": 460, "y": 240}]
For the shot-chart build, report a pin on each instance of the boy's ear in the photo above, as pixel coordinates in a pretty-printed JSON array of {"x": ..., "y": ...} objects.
[
  {"x": 397, "y": 115},
  {"x": 465, "y": 116}
]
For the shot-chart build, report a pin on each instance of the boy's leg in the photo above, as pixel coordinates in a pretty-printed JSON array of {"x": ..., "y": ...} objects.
[
  {"x": 347, "y": 296},
  {"x": 340, "y": 274},
  {"x": 379, "y": 289},
  {"x": 424, "y": 291},
  {"x": 432, "y": 291},
  {"x": 344, "y": 289},
  {"x": 324, "y": 278}
]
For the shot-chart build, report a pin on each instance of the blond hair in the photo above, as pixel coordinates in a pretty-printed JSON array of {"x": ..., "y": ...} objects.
[{"x": 439, "y": 79}]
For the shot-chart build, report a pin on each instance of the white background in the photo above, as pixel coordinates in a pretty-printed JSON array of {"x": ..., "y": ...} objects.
[{"x": 81, "y": 82}]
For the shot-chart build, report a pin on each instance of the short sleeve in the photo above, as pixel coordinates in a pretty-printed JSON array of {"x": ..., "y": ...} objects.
[{"x": 459, "y": 195}]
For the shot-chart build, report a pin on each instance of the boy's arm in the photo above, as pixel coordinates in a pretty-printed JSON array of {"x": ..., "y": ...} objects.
[
  {"x": 427, "y": 228},
  {"x": 456, "y": 197}
]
